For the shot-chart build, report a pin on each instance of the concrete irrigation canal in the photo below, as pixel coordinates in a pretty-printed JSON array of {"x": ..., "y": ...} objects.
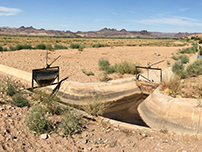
[{"x": 130, "y": 106}]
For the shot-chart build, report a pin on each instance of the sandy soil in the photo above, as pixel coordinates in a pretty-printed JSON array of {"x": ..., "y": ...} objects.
[
  {"x": 96, "y": 135},
  {"x": 72, "y": 61}
]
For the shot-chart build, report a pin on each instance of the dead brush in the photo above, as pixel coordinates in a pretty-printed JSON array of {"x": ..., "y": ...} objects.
[
  {"x": 95, "y": 106},
  {"x": 172, "y": 86}
]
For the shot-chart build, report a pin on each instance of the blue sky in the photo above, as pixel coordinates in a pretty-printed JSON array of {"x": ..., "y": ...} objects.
[{"x": 93, "y": 15}]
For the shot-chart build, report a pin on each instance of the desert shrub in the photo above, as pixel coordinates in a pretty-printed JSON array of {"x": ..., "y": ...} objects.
[
  {"x": 37, "y": 120},
  {"x": 10, "y": 89},
  {"x": 70, "y": 123},
  {"x": 178, "y": 69},
  {"x": 176, "y": 58},
  {"x": 190, "y": 50},
  {"x": 75, "y": 46},
  {"x": 57, "y": 41},
  {"x": 1, "y": 48},
  {"x": 98, "y": 45},
  {"x": 200, "y": 42},
  {"x": 125, "y": 67},
  {"x": 12, "y": 48},
  {"x": 50, "y": 102},
  {"x": 95, "y": 106},
  {"x": 81, "y": 48},
  {"x": 49, "y": 47},
  {"x": 195, "y": 38},
  {"x": 27, "y": 46},
  {"x": 184, "y": 59},
  {"x": 103, "y": 64},
  {"x": 20, "y": 101},
  {"x": 5, "y": 49},
  {"x": 194, "y": 68},
  {"x": 40, "y": 46},
  {"x": 18, "y": 47},
  {"x": 58, "y": 47}
]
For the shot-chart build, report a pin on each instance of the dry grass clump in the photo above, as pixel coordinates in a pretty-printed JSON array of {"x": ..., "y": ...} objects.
[
  {"x": 96, "y": 106},
  {"x": 172, "y": 86},
  {"x": 183, "y": 88}
]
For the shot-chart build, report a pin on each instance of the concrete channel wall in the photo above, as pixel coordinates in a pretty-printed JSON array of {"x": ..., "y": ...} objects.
[
  {"x": 76, "y": 93},
  {"x": 180, "y": 115}
]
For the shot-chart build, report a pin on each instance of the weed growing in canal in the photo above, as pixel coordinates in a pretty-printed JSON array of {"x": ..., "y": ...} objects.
[{"x": 95, "y": 106}]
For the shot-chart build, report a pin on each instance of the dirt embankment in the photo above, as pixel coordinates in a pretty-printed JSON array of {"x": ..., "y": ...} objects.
[{"x": 72, "y": 61}]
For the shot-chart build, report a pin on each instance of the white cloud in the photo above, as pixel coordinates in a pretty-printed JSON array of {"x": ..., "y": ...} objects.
[
  {"x": 180, "y": 21},
  {"x": 5, "y": 11}
]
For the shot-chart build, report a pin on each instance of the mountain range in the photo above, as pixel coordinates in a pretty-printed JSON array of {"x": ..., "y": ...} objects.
[{"x": 103, "y": 33}]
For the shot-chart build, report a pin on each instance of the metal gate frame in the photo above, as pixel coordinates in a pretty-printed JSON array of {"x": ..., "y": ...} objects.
[{"x": 148, "y": 68}]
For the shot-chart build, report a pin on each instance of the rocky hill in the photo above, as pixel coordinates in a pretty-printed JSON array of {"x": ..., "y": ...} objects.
[{"x": 104, "y": 33}]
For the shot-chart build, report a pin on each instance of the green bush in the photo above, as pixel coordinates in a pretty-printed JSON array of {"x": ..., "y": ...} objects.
[
  {"x": 49, "y": 47},
  {"x": 19, "y": 100},
  {"x": 178, "y": 69},
  {"x": 125, "y": 67},
  {"x": 190, "y": 50},
  {"x": 40, "y": 46},
  {"x": 81, "y": 48},
  {"x": 176, "y": 58},
  {"x": 103, "y": 64},
  {"x": 98, "y": 45},
  {"x": 184, "y": 59},
  {"x": 1, "y": 48},
  {"x": 18, "y": 47},
  {"x": 195, "y": 68},
  {"x": 5, "y": 49},
  {"x": 10, "y": 89},
  {"x": 27, "y": 46},
  {"x": 37, "y": 120},
  {"x": 59, "y": 47},
  {"x": 12, "y": 48},
  {"x": 70, "y": 123},
  {"x": 75, "y": 46}
]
